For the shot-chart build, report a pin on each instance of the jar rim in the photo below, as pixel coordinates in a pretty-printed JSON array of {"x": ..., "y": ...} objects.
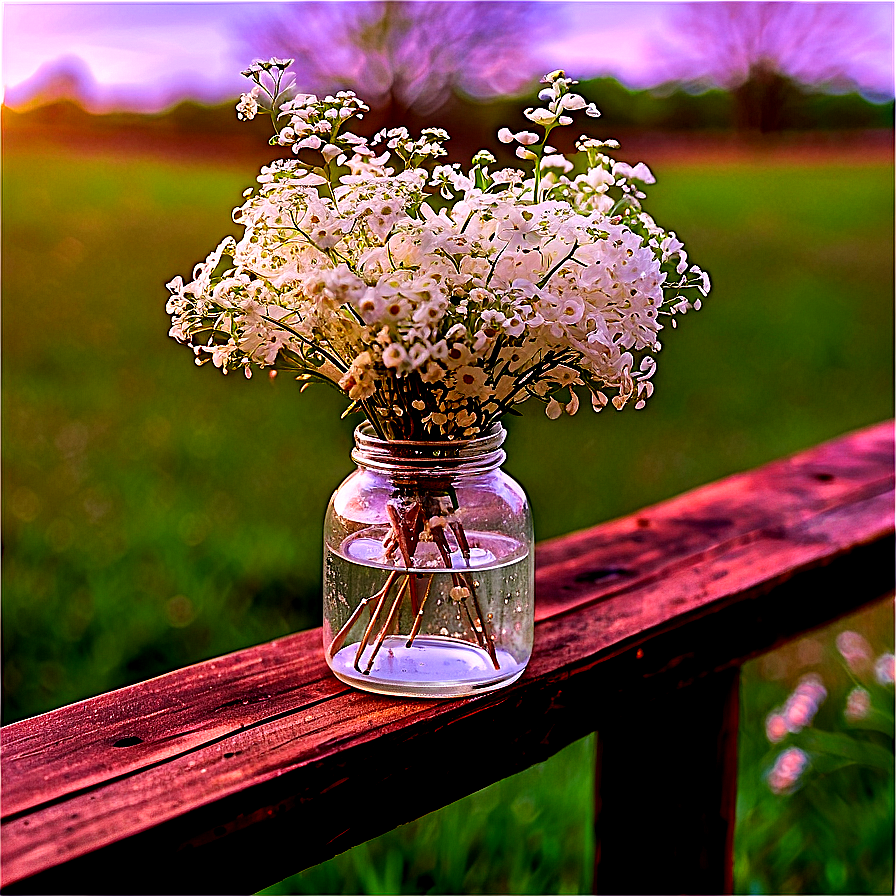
[
  {"x": 475, "y": 455},
  {"x": 364, "y": 432}
]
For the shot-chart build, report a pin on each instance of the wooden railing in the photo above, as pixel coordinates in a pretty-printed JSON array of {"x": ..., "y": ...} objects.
[{"x": 228, "y": 775}]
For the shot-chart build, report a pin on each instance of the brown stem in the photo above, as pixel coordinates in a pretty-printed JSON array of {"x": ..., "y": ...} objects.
[
  {"x": 462, "y": 580},
  {"x": 405, "y": 533},
  {"x": 342, "y": 634},
  {"x": 382, "y": 635},
  {"x": 486, "y": 637},
  {"x": 441, "y": 542},
  {"x": 464, "y": 546},
  {"x": 462, "y": 542},
  {"x": 390, "y": 544},
  {"x": 374, "y": 616},
  {"x": 479, "y": 638},
  {"x": 419, "y": 619},
  {"x": 406, "y": 525}
]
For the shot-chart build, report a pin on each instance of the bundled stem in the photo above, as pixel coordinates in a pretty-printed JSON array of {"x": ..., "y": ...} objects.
[{"x": 407, "y": 524}]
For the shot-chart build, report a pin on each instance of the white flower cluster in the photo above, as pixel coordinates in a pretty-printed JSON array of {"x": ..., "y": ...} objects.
[
  {"x": 439, "y": 298},
  {"x": 802, "y": 705},
  {"x": 799, "y": 710}
]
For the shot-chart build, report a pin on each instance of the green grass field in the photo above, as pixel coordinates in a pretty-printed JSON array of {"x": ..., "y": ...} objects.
[{"x": 155, "y": 514}]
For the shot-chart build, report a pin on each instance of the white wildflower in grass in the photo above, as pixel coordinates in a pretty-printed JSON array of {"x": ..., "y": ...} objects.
[
  {"x": 798, "y": 711},
  {"x": 775, "y": 727},
  {"x": 854, "y": 649},
  {"x": 858, "y": 704},
  {"x": 438, "y": 298},
  {"x": 885, "y": 669},
  {"x": 785, "y": 774},
  {"x": 803, "y": 703}
]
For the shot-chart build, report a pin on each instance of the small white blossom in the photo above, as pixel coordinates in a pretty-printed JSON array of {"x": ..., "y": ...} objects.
[
  {"x": 787, "y": 770},
  {"x": 885, "y": 669},
  {"x": 527, "y": 138},
  {"x": 858, "y": 705},
  {"x": 776, "y": 727},
  {"x": 572, "y": 102},
  {"x": 639, "y": 172},
  {"x": 539, "y": 116},
  {"x": 247, "y": 107},
  {"x": 396, "y": 357},
  {"x": 348, "y": 270},
  {"x": 470, "y": 381},
  {"x": 557, "y": 161},
  {"x": 855, "y": 650}
]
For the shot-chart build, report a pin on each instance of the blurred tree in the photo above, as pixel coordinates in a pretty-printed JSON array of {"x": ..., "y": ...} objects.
[
  {"x": 67, "y": 78},
  {"x": 767, "y": 53},
  {"x": 405, "y": 56}
]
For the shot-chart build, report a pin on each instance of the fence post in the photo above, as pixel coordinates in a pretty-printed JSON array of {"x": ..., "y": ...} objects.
[{"x": 666, "y": 786}]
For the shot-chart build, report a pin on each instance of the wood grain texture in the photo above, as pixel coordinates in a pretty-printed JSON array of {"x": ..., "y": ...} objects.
[{"x": 230, "y": 774}]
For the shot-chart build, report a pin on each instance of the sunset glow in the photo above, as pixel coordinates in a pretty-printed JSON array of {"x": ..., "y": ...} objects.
[{"x": 148, "y": 56}]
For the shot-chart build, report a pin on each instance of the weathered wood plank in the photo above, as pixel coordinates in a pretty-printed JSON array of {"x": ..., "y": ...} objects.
[
  {"x": 132, "y": 728},
  {"x": 750, "y": 505},
  {"x": 264, "y": 750}
]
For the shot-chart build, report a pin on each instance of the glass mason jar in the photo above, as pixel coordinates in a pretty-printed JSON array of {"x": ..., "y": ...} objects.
[{"x": 428, "y": 569}]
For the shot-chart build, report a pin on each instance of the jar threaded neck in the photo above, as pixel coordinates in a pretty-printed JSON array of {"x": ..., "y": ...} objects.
[{"x": 458, "y": 456}]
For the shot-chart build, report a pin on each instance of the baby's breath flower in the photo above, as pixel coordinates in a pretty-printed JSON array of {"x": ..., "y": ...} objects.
[
  {"x": 440, "y": 316},
  {"x": 539, "y": 116},
  {"x": 586, "y": 143},
  {"x": 483, "y": 157},
  {"x": 640, "y": 172},
  {"x": 247, "y": 107},
  {"x": 557, "y": 161}
]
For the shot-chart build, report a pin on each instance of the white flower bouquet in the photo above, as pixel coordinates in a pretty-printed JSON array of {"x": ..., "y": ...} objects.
[
  {"x": 436, "y": 298},
  {"x": 439, "y": 297}
]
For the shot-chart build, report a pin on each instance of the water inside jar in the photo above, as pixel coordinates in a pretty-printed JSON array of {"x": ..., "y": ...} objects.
[
  {"x": 444, "y": 658},
  {"x": 486, "y": 549}
]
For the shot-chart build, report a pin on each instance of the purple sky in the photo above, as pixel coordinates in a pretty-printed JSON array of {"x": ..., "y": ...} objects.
[{"x": 150, "y": 55}]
